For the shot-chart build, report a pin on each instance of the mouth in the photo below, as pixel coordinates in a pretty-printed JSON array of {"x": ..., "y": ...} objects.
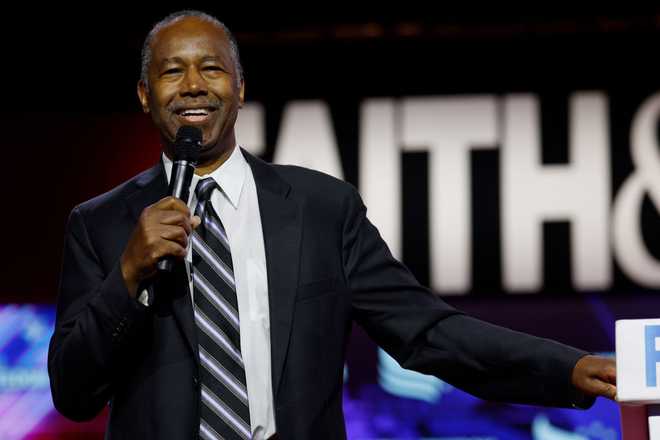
[{"x": 197, "y": 115}]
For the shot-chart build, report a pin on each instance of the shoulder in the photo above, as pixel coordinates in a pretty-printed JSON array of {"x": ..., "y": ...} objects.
[
  {"x": 111, "y": 201},
  {"x": 307, "y": 180},
  {"x": 326, "y": 198},
  {"x": 321, "y": 193}
]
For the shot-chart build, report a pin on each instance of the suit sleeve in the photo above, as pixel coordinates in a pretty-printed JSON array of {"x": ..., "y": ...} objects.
[
  {"x": 425, "y": 334},
  {"x": 94, "y": 316}
]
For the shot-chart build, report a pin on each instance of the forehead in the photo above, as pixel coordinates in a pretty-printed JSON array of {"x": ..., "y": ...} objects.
[{"x": 189, "y": 38}]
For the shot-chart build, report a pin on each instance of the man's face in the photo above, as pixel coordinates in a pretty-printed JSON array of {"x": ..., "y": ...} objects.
[{"x": 193, "y": 81}]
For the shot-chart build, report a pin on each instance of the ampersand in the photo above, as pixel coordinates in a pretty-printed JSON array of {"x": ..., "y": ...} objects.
[{"x": 631, "y": 251}]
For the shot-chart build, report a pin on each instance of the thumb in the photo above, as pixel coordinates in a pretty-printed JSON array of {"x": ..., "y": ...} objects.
[
  {"x": 606, "y": 390},
  {"x": 195, "y": 221}
]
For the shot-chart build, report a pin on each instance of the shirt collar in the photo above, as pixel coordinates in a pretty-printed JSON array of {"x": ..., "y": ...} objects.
[{"x": 230, "y": 176}]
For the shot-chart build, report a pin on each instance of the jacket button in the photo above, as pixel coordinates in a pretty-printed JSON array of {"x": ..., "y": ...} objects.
[{"x": 195, "y": 382}]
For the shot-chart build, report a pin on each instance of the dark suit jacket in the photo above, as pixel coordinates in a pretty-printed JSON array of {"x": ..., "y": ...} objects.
[{"x": 327, "y": 267}]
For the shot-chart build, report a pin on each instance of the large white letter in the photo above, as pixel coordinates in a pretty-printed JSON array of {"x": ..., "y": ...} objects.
[
  {"x": 449, "y": 128},
  {"x": 631, "y": 252},
  {"x": 306, "y": 138},
  {"x": 533, "y": 193},
  {"x": 250, "y": 132},
  {"x": 380, "y": 170}
]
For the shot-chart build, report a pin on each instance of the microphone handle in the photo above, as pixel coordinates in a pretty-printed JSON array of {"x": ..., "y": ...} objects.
[{"x": 182, "y": 173}]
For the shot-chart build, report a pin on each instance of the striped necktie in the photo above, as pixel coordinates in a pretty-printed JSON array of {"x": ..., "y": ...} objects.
[{"x": 224, "y": 412}]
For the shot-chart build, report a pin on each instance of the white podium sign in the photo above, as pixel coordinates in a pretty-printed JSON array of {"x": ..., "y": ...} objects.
[
  {"x": 638, "y": 360},
  {"x": 638, "y": 368}
]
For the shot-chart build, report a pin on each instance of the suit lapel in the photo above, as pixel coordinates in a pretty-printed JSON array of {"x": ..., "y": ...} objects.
[
  {"x": 172, "y": 288},
  {"x": 281, "y": 220}
]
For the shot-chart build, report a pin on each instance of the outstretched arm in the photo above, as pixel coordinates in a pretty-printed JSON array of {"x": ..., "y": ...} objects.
[{"x": 425, "y": 334}]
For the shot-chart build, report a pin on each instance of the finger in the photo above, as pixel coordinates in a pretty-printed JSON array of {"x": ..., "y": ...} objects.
[
  {"x": 609, "y": 376},
  {"x": 611, "y": 392},
  {"x": 611, "y": 372},
  {"x": 605, "y": 389},
  {"x": 171, "y": 217},
  {"x": 607, "y": 371},
  {"x": 195, "y": 221},
  {"x": 166, "y": 248},
  {"x": 174, "y": 249},
  {"x": 176, "y": 234},
  {"x": 172, "y": 203}
]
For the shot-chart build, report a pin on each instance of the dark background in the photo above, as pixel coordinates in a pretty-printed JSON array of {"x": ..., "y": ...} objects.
[{"x": 72, "y": 127}]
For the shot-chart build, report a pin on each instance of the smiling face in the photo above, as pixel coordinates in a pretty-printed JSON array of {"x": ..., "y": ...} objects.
[{"x": 192, "y": 80}]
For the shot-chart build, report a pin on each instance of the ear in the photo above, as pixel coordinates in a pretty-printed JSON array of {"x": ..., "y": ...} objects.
[
  {"x": 143, "y": 95},
  {"x": 241, "y": 94}
]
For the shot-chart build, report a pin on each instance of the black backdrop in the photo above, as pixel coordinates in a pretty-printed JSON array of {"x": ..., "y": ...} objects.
[{"x": 72, "y": 129}]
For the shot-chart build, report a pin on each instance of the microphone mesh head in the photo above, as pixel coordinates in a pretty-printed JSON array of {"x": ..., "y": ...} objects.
[{"x": 187, "y": 143}]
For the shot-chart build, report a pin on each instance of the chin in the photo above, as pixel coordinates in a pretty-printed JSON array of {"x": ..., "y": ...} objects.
[
  {"x": 206, "y": 148},
  {"x": 208, "y": 154}
]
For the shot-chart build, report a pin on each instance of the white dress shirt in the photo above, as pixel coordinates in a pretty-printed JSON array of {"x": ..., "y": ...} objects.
[{"x": 238, "y": 208}]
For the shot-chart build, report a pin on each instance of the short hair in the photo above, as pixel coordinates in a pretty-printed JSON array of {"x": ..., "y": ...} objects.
[{"x": 178, "y": 16}]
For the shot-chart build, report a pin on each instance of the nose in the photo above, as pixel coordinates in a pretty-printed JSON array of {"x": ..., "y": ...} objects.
[{"x": 194, "y": 84}]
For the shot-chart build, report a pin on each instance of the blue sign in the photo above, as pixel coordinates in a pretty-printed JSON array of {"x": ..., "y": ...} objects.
[{"x": 652, "y": 354}]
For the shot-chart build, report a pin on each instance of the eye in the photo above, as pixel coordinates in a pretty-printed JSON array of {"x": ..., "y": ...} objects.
[
  {"x": 213, "y": 69},
  {"x": 172, "y": 71}
]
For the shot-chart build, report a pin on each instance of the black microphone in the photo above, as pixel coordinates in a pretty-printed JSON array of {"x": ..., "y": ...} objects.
[{"x": 186, "y": 153}]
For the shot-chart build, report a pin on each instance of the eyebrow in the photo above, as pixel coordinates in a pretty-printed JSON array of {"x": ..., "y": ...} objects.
[
  {"x": 170, "y": 60},
  {"x": 180, "y": 60},
  {"x": 212, "y": 58}
]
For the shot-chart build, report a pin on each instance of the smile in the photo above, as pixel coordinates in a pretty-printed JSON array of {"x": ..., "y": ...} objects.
[{"x": 196, "y": 115}]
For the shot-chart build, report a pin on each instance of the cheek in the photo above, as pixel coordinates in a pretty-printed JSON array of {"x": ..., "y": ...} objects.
[
  {"x": 163, "y": 119},
  {"x": 225, "y": 89},
  {"x": 162, "y": 95}
]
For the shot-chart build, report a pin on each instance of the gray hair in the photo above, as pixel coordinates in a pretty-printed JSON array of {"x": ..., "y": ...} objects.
[{"x": 176, "y": 17}]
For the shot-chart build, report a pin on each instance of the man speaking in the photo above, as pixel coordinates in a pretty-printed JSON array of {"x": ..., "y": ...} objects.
[{"x": 245, "y": 336}]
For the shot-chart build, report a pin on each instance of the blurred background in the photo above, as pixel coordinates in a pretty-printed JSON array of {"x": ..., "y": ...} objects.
[{"x": 509, "y": 157}]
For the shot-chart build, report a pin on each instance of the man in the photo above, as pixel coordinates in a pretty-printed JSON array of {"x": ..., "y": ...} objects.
[{"x": 246, "y": 338}]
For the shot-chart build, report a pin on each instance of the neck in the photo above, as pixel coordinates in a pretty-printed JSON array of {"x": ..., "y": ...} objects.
[
  {"x": 214, "y": 164},
  {"x": 209, "y": 165}
]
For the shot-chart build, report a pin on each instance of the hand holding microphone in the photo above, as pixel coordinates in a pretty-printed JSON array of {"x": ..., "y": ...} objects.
[
  {"x": 186, "y": 154},
  {"x": 162, "y": 231}
]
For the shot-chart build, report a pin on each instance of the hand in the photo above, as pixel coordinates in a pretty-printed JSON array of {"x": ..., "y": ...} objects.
[
  {"x": 162, "y": 230},
  {"x": 595, "y": 376}
]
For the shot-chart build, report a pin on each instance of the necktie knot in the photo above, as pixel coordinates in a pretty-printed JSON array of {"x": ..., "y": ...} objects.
[{"x": 204, "y": 189}]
